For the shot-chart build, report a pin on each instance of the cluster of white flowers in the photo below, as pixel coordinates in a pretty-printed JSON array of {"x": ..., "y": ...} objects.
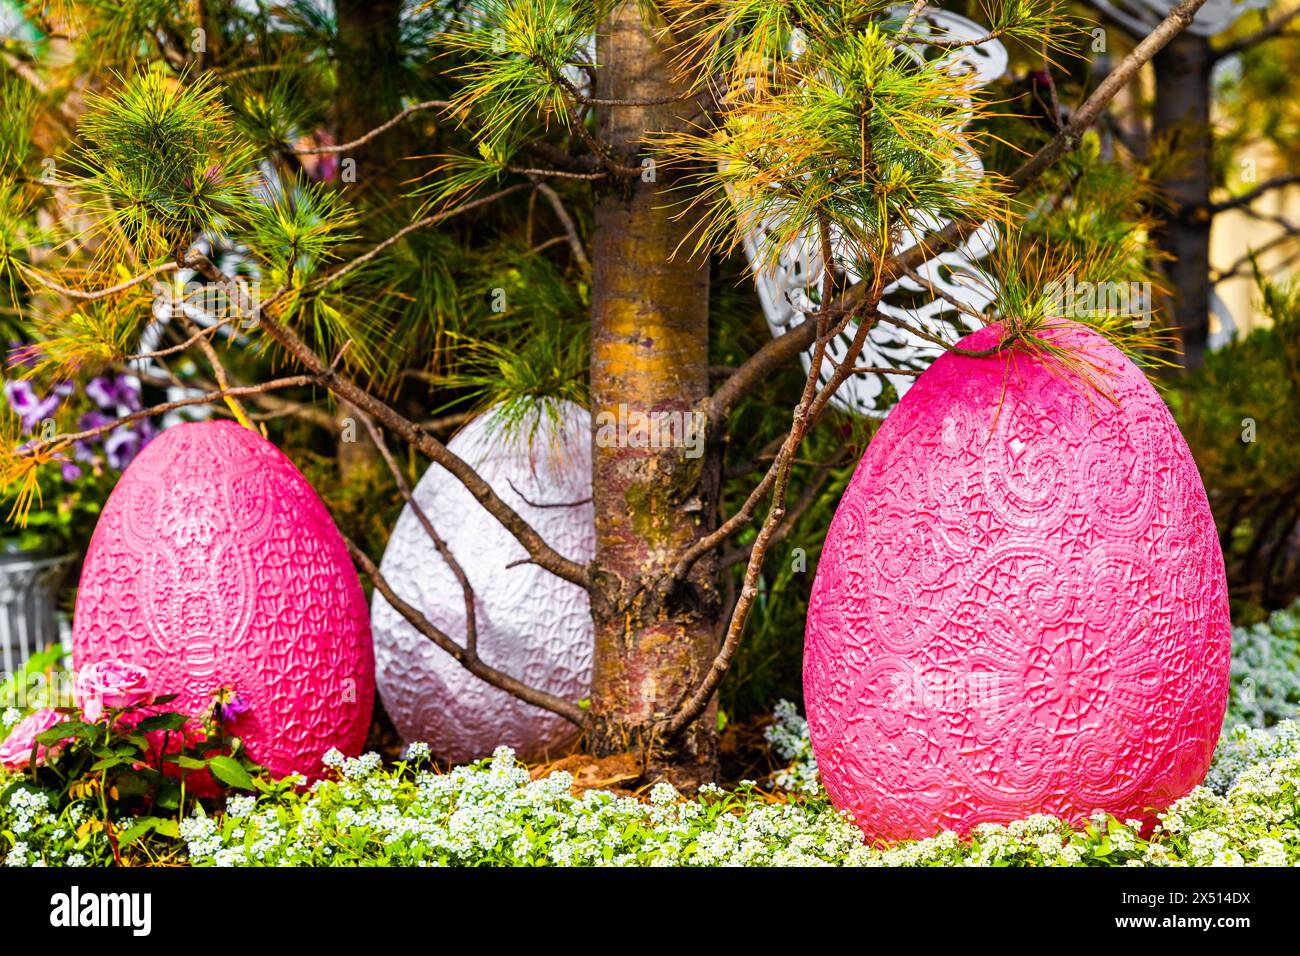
[
  {"x": 418, "y": 752},
  {"x": 10, "y": 717},
  {"x": 1244, "y": 747},
  {"x": 17, "y": 855},
  {"x": 493, "y": 812},
  {"x": 26, "y": 808},
  {"x": 240, "y": 806},
  {"x": 1266, "y": 670},
  {"x": 788, "y": 737}
]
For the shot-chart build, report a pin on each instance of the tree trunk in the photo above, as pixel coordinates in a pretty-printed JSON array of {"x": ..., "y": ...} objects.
[
  {"x": 370, "y": 90},
  {"x": 650, "y": 344},
  {"x": 369, "y": 94},
  {"x": 1182, "y": 108}
]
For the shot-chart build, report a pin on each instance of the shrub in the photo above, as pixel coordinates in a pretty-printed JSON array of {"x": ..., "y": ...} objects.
[
  {"x": 492, "y": 813},
  {"x": 1265, "y": 670}
]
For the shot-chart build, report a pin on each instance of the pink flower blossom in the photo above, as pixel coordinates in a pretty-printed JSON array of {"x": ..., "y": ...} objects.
[
  {"x": 16, "y": 751},
  {"x": 111, "y": 685}
]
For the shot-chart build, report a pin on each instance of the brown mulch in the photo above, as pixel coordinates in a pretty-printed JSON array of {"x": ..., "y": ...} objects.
[{"x": 742, "y": 755}]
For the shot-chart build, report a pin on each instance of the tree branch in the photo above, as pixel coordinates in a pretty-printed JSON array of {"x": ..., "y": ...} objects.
[
  {"x": 377, "y": 131},
  {"x": 570, "y": 229},
  {"x": 1266, "y": 32},
  {"x": 466, "y": 658},
  {"x": 806, "y": 414},
  {"x": 340, "y": 271},
  {"x": 207, "y": 398},
  {"x": 800, "y": 508},
  {"x": 467, "y": 590},
  {"x": 104, "y": 293},
  {"x": 218, "y": 369},
  {"x": 539, "y": 552},
  {"x": 1268, "y": 185}
]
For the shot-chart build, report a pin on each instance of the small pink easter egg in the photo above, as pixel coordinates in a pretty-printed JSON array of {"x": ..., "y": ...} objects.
[
  {"x": 215, "y": 566},
  {"x": 1021, "y": 605}
]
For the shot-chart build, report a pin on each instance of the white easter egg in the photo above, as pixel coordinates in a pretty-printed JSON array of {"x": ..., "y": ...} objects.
[{"x": 531, "y": 624}]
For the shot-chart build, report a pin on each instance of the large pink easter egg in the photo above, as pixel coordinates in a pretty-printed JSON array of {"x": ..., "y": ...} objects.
[
  {"x": 215, "y": 566},
  {"x": 1021, "y": 605}
]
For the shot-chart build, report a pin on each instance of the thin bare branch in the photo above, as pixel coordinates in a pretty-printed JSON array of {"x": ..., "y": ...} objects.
[
  {"x": 1266, "y": 32},
  {"x": 467, "y": 590},
  {"x": 207, "y": 398},
  {"x": 1245, "y": 199},
  {"x": 797, "y": 511},
  {"x": 340, "y": 271},
  {"x": 906, "y": 27},
  {"x": 377, "y": 131},
  {"x": 470, "y": 661},
  {"x": 180, "y": 347},
  {"x": 338, "y": 382},
  {"x": 546, "y": 504},
  {"x": 218, "y": 368},
  {"x": 811, "y": 405},
  {"x": 83, "y": 296},
  {"x": 570, "y": 228}
]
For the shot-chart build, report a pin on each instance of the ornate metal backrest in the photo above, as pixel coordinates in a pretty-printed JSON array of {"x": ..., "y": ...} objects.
[{"x": 784, "y": 286}]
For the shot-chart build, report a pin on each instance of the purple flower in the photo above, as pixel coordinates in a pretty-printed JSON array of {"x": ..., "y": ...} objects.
[
  {"x": 235, "y": 706},
  {"x": 121, "y": 446},
  {"x": 22, "y": 397},
  {"x": 84, "y": 450},
  {"x": 114, "y": 393},
  {"x": 71, "y": 472},
  {"x": 31, "y": 408}
]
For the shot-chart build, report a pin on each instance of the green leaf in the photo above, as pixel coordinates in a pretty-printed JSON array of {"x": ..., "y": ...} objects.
[
  {"x": 188, "y": 763},
  {"x": 77, "y": 728},
  {"x": 162, "y": 722},
  {"x": 228, "y": 771},
  {"x": 138, "y": 829},
  {"x": 51, "y": 736},
  {"x": 108, "y": 763}
]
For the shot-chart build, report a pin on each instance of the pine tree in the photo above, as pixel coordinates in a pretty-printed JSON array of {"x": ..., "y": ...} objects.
[{"x": 450, "y": 206}]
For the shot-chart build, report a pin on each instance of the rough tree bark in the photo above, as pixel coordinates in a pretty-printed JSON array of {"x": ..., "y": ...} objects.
[
  {"x": 1182, "y": 108},
  {"x": 370, "y": 89},
  {"x": 369, "y": 93},
  {"x": 650, "y": 343}
]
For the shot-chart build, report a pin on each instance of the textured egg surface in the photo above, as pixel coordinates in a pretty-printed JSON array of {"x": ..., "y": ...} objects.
[
  {"x": 215, "y": 565},
  {"x": 531, "y": 624},
  {"x": 1021, "y": 604}
]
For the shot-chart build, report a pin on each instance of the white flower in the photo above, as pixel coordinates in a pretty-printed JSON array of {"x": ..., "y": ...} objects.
[
  {"x": 417, "y": 752},
  {"x": 663, "y": 794},
  {"x": 240, "y": 805}
]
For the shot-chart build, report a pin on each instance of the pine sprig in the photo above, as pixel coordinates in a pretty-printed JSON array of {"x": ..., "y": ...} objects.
[
  {"x": 163, "y": 161},
  {"x": 855, "y": 134},
  {"x": 519, "y": 61}
]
